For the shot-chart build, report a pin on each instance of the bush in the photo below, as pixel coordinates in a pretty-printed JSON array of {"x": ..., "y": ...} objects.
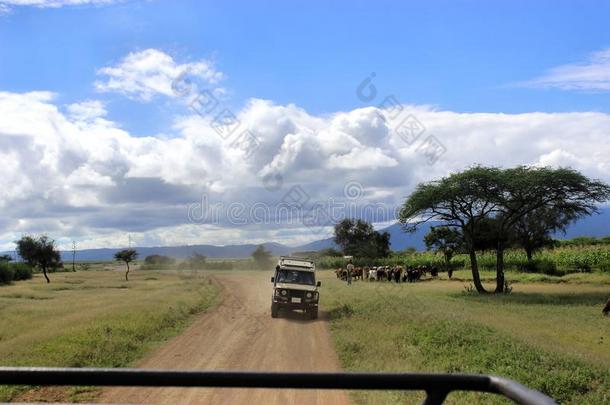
[
  {"x": 543, "y": 266},
  {"x": 159, "y": 260},
  {"x": 7, "y": 274},
  {"x": 21, "y": 271},
  {"x": 605, "y": 266}
]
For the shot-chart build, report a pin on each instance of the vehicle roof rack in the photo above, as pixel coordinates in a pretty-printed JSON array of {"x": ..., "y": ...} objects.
[{"x": 296, "y": 263}]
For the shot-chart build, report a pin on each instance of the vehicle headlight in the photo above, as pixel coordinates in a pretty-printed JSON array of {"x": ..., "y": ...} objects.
[
  {"x": 309, "y": 295},
  {"x": 284, "y": 292}
]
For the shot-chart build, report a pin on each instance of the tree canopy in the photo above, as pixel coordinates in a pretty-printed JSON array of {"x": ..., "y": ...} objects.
[
  {"x": 497, "y": 200},
  {"x": 359, "y": 238},
  {"x": 127, "y": 256},
  {"x": 39, "y": 252}
]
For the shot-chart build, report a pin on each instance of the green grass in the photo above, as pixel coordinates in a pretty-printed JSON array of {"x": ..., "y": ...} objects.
[
  {"x": 594, "y": 278},
  {"x": 551, "y": 337},
  {"x": 95, "y": 318}
]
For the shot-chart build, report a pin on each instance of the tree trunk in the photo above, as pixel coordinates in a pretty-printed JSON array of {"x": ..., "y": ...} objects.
[
  {"x": 44, "y": 271},
  {"x": 127, "y": 272},
  {"x": 529, "y": 253},
  {"x": 475, "y": 272},
  {"x": 448, "y": 265},
  {"x": 500, "y": 268}
]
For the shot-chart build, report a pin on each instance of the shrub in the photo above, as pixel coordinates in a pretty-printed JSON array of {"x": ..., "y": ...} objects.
[
  {"x": 605, "y": 266},
  {"x": 543, "y": 266},
  {"x": 159, "y": 260},
  {"x": 21, "y": 271},
  {"x": 7, "y": 274}
]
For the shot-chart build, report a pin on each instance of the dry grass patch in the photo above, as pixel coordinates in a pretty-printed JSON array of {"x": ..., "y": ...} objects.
[{"x": 95, "y": 318}]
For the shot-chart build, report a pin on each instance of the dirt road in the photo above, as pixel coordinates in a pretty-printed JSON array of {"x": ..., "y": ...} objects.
[{"x": 241, "y": 335}]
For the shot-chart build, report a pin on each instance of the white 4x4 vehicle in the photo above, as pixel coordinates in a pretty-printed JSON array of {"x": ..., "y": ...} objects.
[{"x": 295, "y": 286}]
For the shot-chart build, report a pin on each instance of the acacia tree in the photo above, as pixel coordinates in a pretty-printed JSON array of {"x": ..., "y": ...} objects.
[
  {"x": 503, "y": 196},
  {"x": 444, "y": 240},
  {"x": 523, "y": 190},
  {"x": 39, "y": 252},
  {"x": 127, "y": 256},
  {"x": 460, "y": 201}
]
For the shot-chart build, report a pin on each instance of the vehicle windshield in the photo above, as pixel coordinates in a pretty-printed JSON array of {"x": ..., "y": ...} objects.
[
  {"x": 306, "y": 186},
  {"x": 296, "y": 277}
]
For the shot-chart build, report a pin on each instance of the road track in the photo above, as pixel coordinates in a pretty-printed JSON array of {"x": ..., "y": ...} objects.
[{"x": 240, "y": 334}]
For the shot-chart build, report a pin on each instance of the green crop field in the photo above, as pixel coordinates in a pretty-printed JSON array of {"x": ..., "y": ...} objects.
[
  {"x": 558, "y": 261},
  {"x": 549, "y": 336},
  {"x": 93, "y": 318}
]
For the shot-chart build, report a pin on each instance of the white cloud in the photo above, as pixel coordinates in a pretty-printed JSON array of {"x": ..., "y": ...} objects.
[
  {"x": 87, "y": 110},
  {"x": 592, "y": 75},
  {"x": 5, "y": 5},
  {"x": 361, "y": 158},
  {"x": 76, "y": 174},
  {"x": 143, "y": 75}
]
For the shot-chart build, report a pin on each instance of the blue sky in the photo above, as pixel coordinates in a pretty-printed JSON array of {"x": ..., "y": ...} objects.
[
  {"x": 463, "y": 56},
  {"x": 96, "y": 144}
]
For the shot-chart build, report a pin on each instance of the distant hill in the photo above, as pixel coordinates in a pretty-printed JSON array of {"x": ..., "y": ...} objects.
[
  {"x": 596, "y": 225},
  {"x": 180, "y": 252}
]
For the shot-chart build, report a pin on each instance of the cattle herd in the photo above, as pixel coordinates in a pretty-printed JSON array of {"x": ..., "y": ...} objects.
[{"x": 387, "y": 273}]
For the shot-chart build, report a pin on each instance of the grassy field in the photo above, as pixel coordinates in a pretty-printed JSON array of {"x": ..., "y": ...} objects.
[
  {"x": 550, "y": 336},
  {"x": 94, "y": 318}
]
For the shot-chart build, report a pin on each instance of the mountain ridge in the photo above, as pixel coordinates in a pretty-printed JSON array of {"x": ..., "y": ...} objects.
[{"x": 596, "y": 225}]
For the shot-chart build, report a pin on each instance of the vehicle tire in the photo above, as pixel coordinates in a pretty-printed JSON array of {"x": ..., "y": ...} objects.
[
  {"x": 274, "y": 310},
  {"x": 313, "y": 313}
]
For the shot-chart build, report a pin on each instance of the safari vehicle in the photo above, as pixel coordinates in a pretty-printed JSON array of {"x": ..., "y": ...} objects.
[{"x": 295, "y": 287}]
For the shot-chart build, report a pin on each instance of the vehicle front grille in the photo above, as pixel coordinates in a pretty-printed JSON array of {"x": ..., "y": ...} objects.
[{"x": 296, "y": 294}]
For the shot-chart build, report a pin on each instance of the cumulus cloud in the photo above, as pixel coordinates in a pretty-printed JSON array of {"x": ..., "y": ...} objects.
[
  {"x": 70, "y": 171},
  {"x": 591, "y": 75},
  {"x": 145, "y": 74}
]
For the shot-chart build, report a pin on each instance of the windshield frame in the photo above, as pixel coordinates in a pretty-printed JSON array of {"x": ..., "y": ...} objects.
[{"x": 281, "y": 277}]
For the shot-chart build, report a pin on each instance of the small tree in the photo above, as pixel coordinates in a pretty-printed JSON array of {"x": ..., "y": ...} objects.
[
  {"x": 40, "y": 252},
  {"x": 5, "y": 258},
  {"x": 127, "y": 256},
  {"x": 262, "y": 257},
  {"x": 444, "y": 240},
  {"x": 534, "y": 231}
]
